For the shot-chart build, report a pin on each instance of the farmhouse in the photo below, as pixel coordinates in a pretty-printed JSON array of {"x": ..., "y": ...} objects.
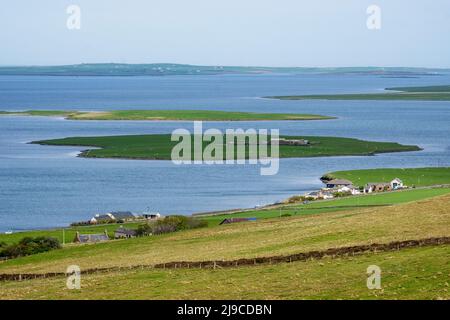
[
  {"x": 291, "y": 142},
  {"x": 105, "y": 218},
  {"x": 112, "y": 216},
  {"x": 349, "y": 189},
  {"x": 151, "y": 215},
  {"x": 337, "y": 183},
  {"x": 397, "y": 184},
  {"x": 122, "y": 233},
  {"x": 91, "y": 238},
  {"x": 377, "y": 187}
]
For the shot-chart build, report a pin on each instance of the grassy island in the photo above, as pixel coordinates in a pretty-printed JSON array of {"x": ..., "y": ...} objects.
[
  {"x": 429, "y": 93},
  {"x": 159, "y": 147},
  {"x": 168, "y": 115}
]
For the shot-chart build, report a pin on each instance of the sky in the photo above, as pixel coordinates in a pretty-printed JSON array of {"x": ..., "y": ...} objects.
[{"x": 315, "y": 33}]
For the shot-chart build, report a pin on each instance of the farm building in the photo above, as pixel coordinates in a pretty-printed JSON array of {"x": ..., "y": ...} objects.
[
  {"x": 235, "y": 220},
  {"x": 151, "y": 216},
  {"x": 91, "y": 238},
  {"x": 396, "y": 184},
  {"x": 337, "y": 183},
  {"x": 123, "y": 233},
  {"x": 292, "y": 142},
  {"x": 377, "y": 187},
  {"x": 112, "y": 216}
]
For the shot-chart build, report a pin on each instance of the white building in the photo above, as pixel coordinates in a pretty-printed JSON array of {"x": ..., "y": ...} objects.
[
  {"x": 352, "y": 190},
  {"x": 397, "y": 184}
]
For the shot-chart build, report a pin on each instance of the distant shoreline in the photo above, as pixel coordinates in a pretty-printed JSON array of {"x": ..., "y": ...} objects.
[
  {"x": 428, "y": 93},
  {"x": 167, "y": 115}
]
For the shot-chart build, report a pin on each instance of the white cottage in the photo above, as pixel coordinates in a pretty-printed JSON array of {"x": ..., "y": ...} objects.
[{"x": 396, "y": 184}]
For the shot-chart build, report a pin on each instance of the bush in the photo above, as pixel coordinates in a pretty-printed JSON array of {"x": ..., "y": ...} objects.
[
  {"x": 170, "y": 224},
  {"x": 144, "y": 230},
  {"x": 342, "y": 194},
  {"x": 28, "y": 246}
]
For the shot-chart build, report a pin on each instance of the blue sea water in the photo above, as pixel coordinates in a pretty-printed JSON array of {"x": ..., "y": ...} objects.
[{"x": 43, "y": 186}]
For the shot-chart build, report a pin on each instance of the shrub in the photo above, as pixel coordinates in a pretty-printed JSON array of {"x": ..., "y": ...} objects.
[
  {"x": 170, "y": 224},
  {"x": 144, "y": 230},
  {"x": 28, "y": 246},
  {"x": 342, "y": 194}
]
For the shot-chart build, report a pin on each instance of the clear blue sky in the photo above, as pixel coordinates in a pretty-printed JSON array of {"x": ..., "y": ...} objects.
[{"x": 227, "y": 32}]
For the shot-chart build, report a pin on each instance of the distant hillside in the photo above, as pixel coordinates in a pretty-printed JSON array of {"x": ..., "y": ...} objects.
[{"x": 114, "y": 69}]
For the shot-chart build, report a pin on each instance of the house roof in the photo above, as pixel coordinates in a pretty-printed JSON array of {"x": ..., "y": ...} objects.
[
  {"x": 128, "y": 232},
  {"x": 398, "y": 180},
  {"x": 103, "y": 217},
  {"x": 342, "y": 182},
  {"x": 122, "y": 215},
  {"x": 371, "y": 184},
  {"x": 84, "y": 238}
]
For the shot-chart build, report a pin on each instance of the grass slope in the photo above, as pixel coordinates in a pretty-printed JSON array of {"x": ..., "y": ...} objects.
[
  {"x": 159, "y": 147},
  {"x": 410, "y": 176},
  {"x": 422, "y": 273},
  {"x": 175, "y": 115},
  {"x": 431, "y": 93},
  {"x": 303, "y": 233}
]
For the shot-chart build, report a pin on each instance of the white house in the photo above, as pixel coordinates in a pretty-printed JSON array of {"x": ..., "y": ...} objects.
[
  {"x": 352, "y": 190},
  {"x": 101, "y": 218},
  {"x": 396, "y": 184}
]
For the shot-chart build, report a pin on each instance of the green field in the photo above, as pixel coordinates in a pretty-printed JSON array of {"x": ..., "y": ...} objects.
[
  {"x": 159, "y": 147},
  {"x": 410, "y": 177},
  {"x": 169, "y": 115},
  {"x": 419, "y": 273},
  {"x": 337, "y": 204},
  {"x": 431, "y": 93}
]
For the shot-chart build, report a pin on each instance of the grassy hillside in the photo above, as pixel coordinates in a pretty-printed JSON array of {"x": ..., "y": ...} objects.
[
  {"x": 431, "y": 93},
  {"x": 422, "y": 219},
  {"x": 159, "y": 147},
  {"x": 410, "y": 176},
  {"x": 172, "y": 115},
  {"x": 421, "y": 273}
]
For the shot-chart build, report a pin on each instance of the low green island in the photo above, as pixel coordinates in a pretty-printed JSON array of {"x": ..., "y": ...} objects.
[
  {"x": 428, "y": 93},
  {"x": 419, "y": 177},
  {"x": 159, "y": 147},
  {"x": 168, "y": 115}
]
